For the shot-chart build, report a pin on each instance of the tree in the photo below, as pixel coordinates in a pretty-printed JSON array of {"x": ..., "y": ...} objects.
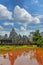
[
  {"x": 37, "y": 33},
  {"x": 37, "y": 38},
  {"x": 1, "y": 37}
]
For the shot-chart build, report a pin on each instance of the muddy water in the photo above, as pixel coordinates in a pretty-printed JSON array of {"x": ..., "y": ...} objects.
[{"x": 22, "y": 57}]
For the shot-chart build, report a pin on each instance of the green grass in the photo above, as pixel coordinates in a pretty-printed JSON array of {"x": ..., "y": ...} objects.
[{"x": 9, "y": 47}]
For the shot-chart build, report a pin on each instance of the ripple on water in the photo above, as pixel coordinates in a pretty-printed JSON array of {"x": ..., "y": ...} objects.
[
  {"x": 4, "y": 60},
  {"x": 26, "y": 59},
  {"x": 18, "y": 57}
]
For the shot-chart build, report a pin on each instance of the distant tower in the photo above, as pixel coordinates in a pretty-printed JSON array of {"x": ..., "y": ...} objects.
[
  {"x": 12, "y": 34},
  {"x": 30, "y": 36}
]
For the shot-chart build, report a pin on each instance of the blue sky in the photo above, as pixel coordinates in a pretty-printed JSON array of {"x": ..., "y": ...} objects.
[{"x": 24, "y": 15}]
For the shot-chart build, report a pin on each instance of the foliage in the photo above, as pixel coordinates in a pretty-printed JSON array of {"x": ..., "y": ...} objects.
[
  {"x": 1, "y": 37},
  {"x": 37, "y": 38}
]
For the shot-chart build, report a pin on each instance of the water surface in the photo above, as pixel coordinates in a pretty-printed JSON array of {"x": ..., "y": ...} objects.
[{"x": 22, "y": 57}]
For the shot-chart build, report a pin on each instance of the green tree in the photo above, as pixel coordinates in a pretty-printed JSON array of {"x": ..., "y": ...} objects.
[
  {"x": 37, "y": 38},
  {"x": 40, "y": 42},
  {"x": 1, "y": 37}
]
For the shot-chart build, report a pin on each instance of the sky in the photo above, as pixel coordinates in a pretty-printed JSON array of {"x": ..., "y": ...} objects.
[{"x": 24, "y": 15}]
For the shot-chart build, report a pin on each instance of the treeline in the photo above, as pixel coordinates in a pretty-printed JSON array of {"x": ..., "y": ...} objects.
[{"x": 35, "y": 39}]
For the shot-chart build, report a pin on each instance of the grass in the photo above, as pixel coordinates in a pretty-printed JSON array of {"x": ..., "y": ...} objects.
[
  {"x": 6, "y": 48},
  {"x": 13, "y": 47}
]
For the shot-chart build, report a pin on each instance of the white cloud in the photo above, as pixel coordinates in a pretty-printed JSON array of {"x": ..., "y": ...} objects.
[
  {"x": 16, "y": 29},
  {"x": 22, "y": 16},
  {"x": 36, "y": 26},
  {"x": 23, "y": 32},
  {"x": 4, "y": 32},
  {"x": 8, "y": 23},
  {"x": 39, "y": 16},
  {"x": 5, "y": 13},
  {"x": 1, "y": 28},
  {"x": 36, "y": 19},
  {"x": 23, "y": 28},
  {"x": 27, "y": 32}
]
